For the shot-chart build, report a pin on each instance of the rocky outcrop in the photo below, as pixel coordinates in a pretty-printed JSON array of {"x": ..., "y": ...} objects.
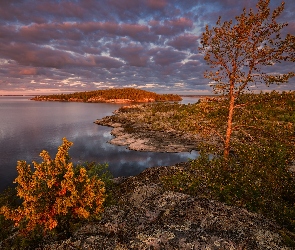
[
  {"x": 149, "y": 217},
  {"x": 140, "y": 137}
]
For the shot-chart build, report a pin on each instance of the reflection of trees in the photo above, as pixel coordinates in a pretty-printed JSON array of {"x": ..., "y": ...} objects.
[{"x": 128, "y": 94}]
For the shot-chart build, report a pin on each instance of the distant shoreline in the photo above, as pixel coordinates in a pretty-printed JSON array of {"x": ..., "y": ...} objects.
[
  {"x": 17, "y": 95},
  {"x": 199, "y": 96}
]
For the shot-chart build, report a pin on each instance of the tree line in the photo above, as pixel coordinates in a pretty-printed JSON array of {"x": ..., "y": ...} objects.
[{"x": 108, "y": 95}]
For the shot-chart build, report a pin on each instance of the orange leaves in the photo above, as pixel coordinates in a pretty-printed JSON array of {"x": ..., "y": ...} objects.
[
  {"x": 243, "y": 47},
  {"x": 51, "y": 223},
  {"x": 53, "y": 190},
  {"x": 62, "y": 192},
  {"x": 241, "y": 51},
  {"x": 81, "y": 212}
]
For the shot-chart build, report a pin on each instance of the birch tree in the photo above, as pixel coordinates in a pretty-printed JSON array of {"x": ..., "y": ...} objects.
[{"x": 240, "y": 52}]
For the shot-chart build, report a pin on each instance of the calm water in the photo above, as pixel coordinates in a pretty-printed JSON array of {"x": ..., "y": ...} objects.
[{"x": 27, "y": 127}]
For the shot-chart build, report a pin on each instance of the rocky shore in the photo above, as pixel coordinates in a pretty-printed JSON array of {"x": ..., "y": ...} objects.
[
  {"x": 141, "y": 137},
  {"x": 149, "y": 217}
]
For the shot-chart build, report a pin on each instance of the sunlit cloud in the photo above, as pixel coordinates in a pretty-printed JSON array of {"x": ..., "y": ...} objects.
[{"x": 69, "y": 46}]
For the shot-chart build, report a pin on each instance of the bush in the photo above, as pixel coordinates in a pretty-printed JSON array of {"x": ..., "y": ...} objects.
[
  {"x": 55, "y": 194},
  {"x": 256, "y": 178},
  {"x": 7, "y": 197}
]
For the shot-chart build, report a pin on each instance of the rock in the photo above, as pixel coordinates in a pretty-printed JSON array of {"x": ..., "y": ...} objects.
[
  {"x": 149, "y": 217},
  {"x": 145, "y": 139}
]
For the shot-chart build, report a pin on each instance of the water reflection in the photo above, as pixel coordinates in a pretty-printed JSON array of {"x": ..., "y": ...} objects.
[
  {"x": 28, "y": 127},
  {"x": 122, "y": 162},
  {"x": 191, "y": 100}
]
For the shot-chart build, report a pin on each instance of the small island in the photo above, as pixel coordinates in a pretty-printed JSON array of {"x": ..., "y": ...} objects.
[{"x": 119, "y": 95}]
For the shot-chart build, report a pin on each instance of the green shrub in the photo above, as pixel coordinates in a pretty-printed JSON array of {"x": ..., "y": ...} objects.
[{"x": 256, "y": 178}]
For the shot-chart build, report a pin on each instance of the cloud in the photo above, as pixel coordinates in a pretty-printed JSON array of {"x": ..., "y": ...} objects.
[
  {"x": 107, "y": 62},
  {"x": 28, "y": 71},
  {"x": 156, "y": 4},
  {"x": 73, "y": 45},
  {"x": 185, "y": 42},
  {"x": 132, "y": 55},
  {"x": 41, "y": 56},
  {"x": 166, "y": 56},
  {"x": 171, "y": 27}
]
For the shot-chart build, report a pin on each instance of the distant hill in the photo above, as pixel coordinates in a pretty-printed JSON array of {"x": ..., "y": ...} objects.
[{"x": 121, "y": 95}]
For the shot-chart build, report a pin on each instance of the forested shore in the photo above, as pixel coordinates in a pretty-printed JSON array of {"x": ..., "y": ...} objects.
[{"x": 121, "y": 95}]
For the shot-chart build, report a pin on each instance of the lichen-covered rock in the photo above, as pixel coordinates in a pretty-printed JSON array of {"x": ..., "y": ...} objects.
[
  {"x": 142, "y": 138},
  {"x": 149, "y": 217}
]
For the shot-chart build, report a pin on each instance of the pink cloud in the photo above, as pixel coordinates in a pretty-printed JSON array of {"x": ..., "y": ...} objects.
[
  {"x": 88, "y": 27},
  {"x": 42, "y": 56},
  {"x": 181, "y": 23},
  {"x": 185, "y": 41},
  {"x": 28, "y": 71},
  {"x": 147, "y": 38},
  {"x": 133, "y": 29},
  {"x": 156, "y": 4}
]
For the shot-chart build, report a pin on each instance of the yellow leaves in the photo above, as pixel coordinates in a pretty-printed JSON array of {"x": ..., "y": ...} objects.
[
  {"x": 81, "y": 212},
  {"x": 69, "y": 171},
  {"x": 51, "y": 182},
  {"x": 45, "y": 156},
  {"x": 15, "y": 215},
  {"x": 53, "y": 190},
  {"x": 82, "y": 175}
]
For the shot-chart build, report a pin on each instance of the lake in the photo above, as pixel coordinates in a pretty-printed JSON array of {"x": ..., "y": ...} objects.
[{"x": 27, "y": 127}]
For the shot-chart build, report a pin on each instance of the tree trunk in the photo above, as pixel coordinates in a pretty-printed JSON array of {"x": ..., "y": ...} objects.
[{"x": 229, "y": 121}]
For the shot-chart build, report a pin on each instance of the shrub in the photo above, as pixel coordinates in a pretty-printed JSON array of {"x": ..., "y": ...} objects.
[
  {"x": 7, "y": 197},
  {"x": 256, "y": 178},
  {"x": 55, "y": 193}
]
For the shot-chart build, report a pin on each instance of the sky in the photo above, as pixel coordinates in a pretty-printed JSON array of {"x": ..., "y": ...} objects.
[{"x": 64, "y": 46}]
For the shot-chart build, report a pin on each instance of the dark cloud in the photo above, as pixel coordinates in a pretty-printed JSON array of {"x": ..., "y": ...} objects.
[
  {"x": 107, "y": 62},
  {"x": 185, "y": 42},
  {"x": 88, "y": 44},
  {"x": 171, "y": 27},
  {"x": 133, "y": 55},
  {"x": 40, "y": 56},
  {"x": 166, "y": 56}
]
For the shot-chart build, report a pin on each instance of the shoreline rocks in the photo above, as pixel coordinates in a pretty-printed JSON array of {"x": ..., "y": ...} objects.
[
  {"x": 149, "y": 217},
  {"x": 142, "y": 138}
]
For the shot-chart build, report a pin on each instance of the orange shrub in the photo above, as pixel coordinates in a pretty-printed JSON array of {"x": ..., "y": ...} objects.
[{"x": 55, "y": 192}]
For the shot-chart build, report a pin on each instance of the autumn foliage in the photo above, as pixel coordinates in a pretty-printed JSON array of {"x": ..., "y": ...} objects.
[
  {"x": 55, "y": 192},
  {"x": 239, "y": 53}
]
